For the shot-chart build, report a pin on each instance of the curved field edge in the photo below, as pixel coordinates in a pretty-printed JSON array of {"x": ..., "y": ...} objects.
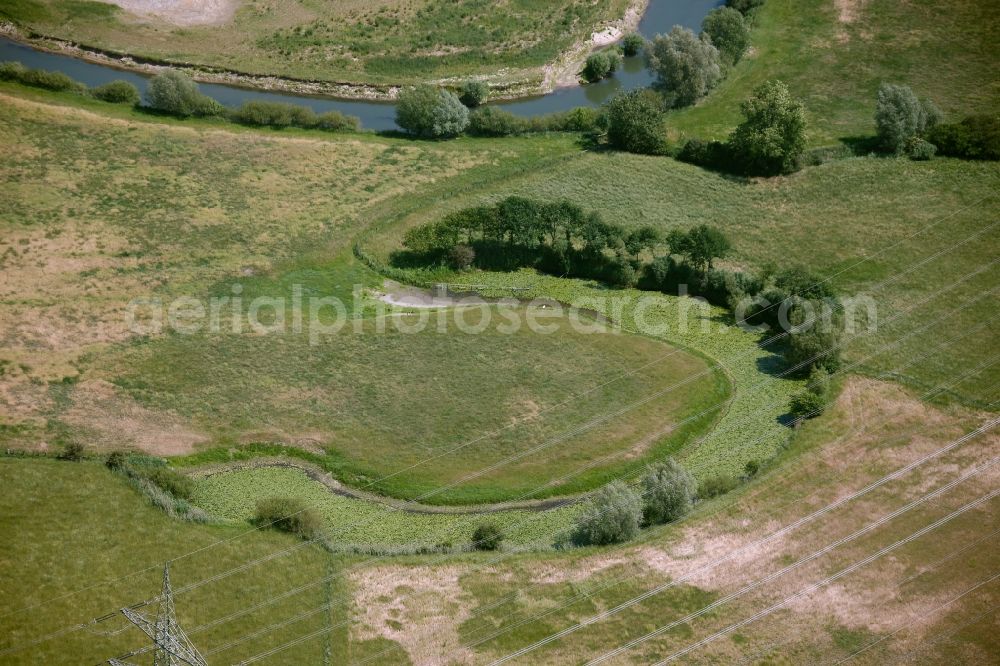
[
  {"x": 749, "y": 427},
  {"x": 450, "y": 418}
]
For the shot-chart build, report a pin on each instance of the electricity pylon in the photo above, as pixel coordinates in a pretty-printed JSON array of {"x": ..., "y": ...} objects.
[{"x": 171, "y": 646}]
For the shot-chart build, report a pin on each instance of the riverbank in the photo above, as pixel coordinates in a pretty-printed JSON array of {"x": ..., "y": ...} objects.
[{"x": 505, "y": 85}]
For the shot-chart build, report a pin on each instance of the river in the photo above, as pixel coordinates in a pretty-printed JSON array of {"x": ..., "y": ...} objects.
[{"x": 659, "y": 17}]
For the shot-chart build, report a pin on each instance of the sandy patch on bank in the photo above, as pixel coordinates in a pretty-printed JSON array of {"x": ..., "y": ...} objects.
[
  {"x": 182, "y": 12},
  {"x": 565, "y": 71}
]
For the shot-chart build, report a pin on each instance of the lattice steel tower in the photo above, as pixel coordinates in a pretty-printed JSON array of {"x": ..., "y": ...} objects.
[{"x": 171, "y": 646}]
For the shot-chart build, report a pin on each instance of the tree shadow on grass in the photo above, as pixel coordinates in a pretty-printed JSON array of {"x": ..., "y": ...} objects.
[{"x": 862, "y": 145}]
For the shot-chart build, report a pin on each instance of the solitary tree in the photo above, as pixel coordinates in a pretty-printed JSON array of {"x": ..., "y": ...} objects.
[
  {"x": 729, "y": 33},
  {"x": 686, "y": 67},
  {"x": 635, "y": 122},
  {"x": 773, "y": 134},
  {"x": 669, "y": 490},
  {"x": 431, "y": 113},
  {"x": 612, "y": 516}
]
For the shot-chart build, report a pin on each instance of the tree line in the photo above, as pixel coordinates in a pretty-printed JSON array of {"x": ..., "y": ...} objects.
[
  {"x": 556, "y": 237},
  {"x": 561, "y": 238}
]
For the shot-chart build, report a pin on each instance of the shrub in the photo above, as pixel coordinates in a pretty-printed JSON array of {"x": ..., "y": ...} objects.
[
  {"x": 39, "y": 78},
  {"x": 303, "y": 116},
  {"x": 729, "y": 33},
  {"x": 612, "y": 516},
  {"x": 976, "y": 137},
  {"x": 11, "y": 70},
  {"x": 431, "y": 113},
  {"x": 807, "y": 405},
  {"x": 669, "y": 492},
  {"x": 632, "y": 45},
  {"x": 773, "y": 135},
  {"x": 708, "y": 154},
  {"x": 288, "y": 514},
  {"x": 580, "y": 119},
  {"x": 272, "y": 114},
  {"x": 491, "y": 121},
  {"x": 337, "y": 121},
  {"x": 817, "y": 347},
  {"x": 461, "y": 257},
  {"x": 635, "y": 122},
  {"x": 819, "y": 382},
  {"x": 487, "y": 536},
  {"x": 73, "y": 451},
  {"x": 900, "y": 117},
  {"x": 933, "y": 115},
  {"x": 170, "y": 480},
  {"x": 720, "y": 484},
  {"x": 600, "y": 65},
  {"x": 116, "y": 460},
  {"x": 799, "y": 281},
  {"x": 176, "y": 93},
  {"x": 279, "y": 114},
  {"x": 474, "y": 93},
  {"x": 117, "y": 92},
  {"x": 920, "y": 150},
  {"x": 686, "y": 67},
  {"x": 751, "y": 469},
  {"x": 51, "y": 81},
  {"x": 744, "y": 6}
]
